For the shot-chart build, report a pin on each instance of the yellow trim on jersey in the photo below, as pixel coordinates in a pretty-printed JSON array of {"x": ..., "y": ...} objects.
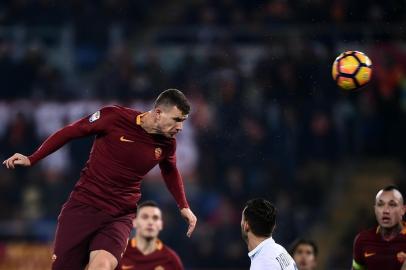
[
  {"x": 357, "y": 266},
  {"x": 138, "y": 118},
  {"x": 133, "y": 243},
  {"x": 158, "y": 243}
]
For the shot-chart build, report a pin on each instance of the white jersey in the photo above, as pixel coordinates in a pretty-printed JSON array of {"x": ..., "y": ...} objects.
[{"x": 269, "y": 255}]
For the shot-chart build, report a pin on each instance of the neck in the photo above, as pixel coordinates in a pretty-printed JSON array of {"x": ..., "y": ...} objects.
[
  {"x": 146, "y": 246},
  {"x": 254, "y": 241},
  {"x": 390, "y": 233},
  {"x": 147, "y": 122}
]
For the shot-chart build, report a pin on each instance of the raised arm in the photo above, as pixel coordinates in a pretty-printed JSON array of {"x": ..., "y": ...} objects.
[{"x": 93, "y": 124}]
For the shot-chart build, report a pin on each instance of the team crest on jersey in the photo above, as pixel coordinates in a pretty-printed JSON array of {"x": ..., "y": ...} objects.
[
  {"x": 158, "y": 153},
  {"x": 159, "y": 267},
  {"x": 94, "y": 117}
]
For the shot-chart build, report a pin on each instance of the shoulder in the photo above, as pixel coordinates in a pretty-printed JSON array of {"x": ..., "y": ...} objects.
[
  {"x": 119, "y": 111},
  {"x": 366, "y": 235},
  {"x": 264, "y": 262},
  {"x": 170, "y": 252},
  {"x": 172, "y": 255}
]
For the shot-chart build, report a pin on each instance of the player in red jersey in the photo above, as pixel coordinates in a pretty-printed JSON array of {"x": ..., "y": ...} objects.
[
  {"x": 145, "y": 251},
  {"x": 95, "y": 222},
  {"x": 383, "y": 247}
]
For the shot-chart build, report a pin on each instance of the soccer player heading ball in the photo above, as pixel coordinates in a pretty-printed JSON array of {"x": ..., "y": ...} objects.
[{"x": 96, "y": 221}]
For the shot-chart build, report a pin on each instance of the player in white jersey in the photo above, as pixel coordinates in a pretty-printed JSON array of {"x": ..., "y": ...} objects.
[{"x": 257, "y": 224}]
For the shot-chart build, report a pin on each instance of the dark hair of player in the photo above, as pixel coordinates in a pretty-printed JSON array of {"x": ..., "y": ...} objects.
[
  {"x": 261, "y": 216},
  {"x": 173, "y": 97},
  {"x": 147, "y": 203},
  {"x": 302, "y": 241},
  {"x": 390, "y": 188}
]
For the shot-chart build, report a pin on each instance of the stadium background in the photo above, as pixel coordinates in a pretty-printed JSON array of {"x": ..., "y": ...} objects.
[{"x": 267, "y": 118}]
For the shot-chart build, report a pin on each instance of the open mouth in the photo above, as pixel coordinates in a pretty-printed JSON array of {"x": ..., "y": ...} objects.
[{"x": 385, "y": 220}]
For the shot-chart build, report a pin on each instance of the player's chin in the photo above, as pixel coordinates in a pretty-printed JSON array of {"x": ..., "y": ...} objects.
[
  {"x": 387, "y": 224},
  {"x": 150, "y": 234}
]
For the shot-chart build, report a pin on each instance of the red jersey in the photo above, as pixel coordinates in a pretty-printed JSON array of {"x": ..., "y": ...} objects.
[
  {"x": 375, "y": 253},
  {"x": 122, "y": 154},
  {"x": 163, "y": 258}
]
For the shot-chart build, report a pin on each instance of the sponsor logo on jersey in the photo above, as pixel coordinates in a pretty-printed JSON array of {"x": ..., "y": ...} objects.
[
  {"x": 123, "y": 139},
  {"x": 94, "y": 117},
  {"x": 369, "y": 254}
]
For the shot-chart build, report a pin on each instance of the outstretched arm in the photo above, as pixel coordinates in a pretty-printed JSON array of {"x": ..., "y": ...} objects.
[
  {"x": 17, "y": 159},
  {"x": 93, "y": 124}
]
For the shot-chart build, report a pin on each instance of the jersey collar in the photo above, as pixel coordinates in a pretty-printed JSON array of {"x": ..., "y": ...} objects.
[
  {"x": 403, "y": 231},
  {"x": 254, "y": 252},
  {"x": 158, "y": 243},
  {"x": 138, "y": 118}
]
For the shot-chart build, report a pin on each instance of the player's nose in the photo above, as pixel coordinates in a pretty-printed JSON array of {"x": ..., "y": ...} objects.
[{"x": 179, "y": 126}]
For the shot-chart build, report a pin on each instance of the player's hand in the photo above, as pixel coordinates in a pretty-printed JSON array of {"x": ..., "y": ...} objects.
[
  {"x": 190, "y": 218},
  {"x": 17, "y": 159},
  {"x": 402, "y": 259}
]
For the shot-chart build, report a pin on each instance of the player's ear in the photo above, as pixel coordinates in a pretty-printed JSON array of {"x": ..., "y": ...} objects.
[
  {"x": 246, "y": 226},
  {"x": 161, "y": 226},
  {"x": 157, "y": 112},
  {"x": 134, "y": 223}
]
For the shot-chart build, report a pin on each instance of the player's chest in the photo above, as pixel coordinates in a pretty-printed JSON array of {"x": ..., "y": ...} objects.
[
  {"x": 388, "y": 256},
  {"x": 149, "y": 262},
  {"x": 136, "y": 149}
]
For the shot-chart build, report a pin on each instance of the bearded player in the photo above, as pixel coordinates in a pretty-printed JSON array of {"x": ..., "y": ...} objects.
[
  {"x": 145, "y": 251},
  {"x": 95, "y": 222},
  {"x": 383, "y": 247}
]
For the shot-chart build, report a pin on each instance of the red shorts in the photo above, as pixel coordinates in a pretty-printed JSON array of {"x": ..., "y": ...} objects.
[{"x": 83, "y": 228}]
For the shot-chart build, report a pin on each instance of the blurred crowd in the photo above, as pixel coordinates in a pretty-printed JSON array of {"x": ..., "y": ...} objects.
[{"x": 267, "y": 118}]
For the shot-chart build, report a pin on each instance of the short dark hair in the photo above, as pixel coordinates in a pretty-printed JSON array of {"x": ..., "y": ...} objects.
[
  {"x": 303, "y": 241},
  {"x": 390, "y": 188},
  {"x": 147, "y": 203},
  {"x": 173, "y": 97},
  {"x": 261, "y": 216}
]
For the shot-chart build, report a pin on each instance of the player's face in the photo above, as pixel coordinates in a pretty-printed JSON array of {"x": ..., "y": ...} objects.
[
  {"x": 148, "y": 222},
  {"x": 389, "y": 208},
  {"x": 304, "y": 257},
  {"x": 169, "y": 120}
]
